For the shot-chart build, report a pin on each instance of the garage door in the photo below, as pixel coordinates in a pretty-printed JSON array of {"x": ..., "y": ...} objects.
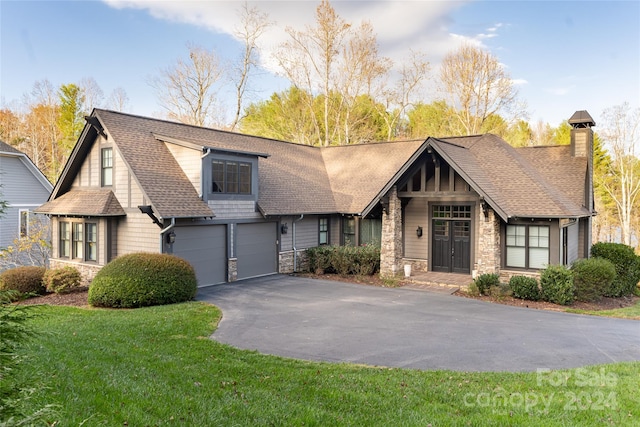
[
  {"x": 205, "y": 247},
  {"x": 256, "y": 249}
]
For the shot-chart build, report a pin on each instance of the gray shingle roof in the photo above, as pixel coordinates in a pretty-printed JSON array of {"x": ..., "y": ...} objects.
[
  {"x": 6, "y": 148},
  {"x": 89, "y": 202},
  {"x": 299, "y": 179},
  {"x": 519, "y": 182}
]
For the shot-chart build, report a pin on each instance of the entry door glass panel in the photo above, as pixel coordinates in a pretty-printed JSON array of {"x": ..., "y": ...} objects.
[{"x": 441, "y": 246}]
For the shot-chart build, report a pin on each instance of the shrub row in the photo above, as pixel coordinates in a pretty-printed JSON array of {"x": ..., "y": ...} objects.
[
  {"x": 359, "y": 260},
  {"x": 32, "y": 280},
  {"x": 612, "y": 271}
]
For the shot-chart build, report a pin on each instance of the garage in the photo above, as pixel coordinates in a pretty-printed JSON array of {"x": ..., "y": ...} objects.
[
  {"x": 205, "y": 247},
  {"x": 257, "y": 249}
]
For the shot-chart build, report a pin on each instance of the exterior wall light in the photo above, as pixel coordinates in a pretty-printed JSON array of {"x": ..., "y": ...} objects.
[
  {"x": 419, "y": 231},
  {"x": 171, "y": 238},
  {"x": 284, "y": 228}
]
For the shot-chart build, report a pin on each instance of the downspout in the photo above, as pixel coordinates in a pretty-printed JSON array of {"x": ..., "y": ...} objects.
[
  {"x": 295, "y": 250},
  {"x": 164, "y": 231}
]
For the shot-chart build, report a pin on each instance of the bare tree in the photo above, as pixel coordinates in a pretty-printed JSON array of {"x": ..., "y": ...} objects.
[
  {"x": 92, "y": 94},
  {"x": 308, "y": 59},
  {"x": 118, "y": 100},
  {"x": 188, "y": 91},
  {"x": 405, "y": 92},
  {"x": 477, "y": 86},
  {"x": 253, "y": 24},
  {"x": 621, "y": 132}
]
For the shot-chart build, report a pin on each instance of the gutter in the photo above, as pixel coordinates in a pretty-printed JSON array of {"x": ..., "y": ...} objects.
[
  {"x": 164, "y": 231},
  {"x": 295, "y": 250}
]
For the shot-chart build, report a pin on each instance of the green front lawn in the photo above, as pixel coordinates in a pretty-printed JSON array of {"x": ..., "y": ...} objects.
[
  {"x": 157, "y": 366},
  {"x": 632, "y": 312}
]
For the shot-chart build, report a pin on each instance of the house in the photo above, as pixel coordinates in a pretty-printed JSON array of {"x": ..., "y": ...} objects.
[
  {"x": 23, "y": 187},
  {"x": 239, "y": 206}
]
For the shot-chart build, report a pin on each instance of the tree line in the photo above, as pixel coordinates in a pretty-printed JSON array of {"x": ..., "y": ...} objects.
[{"x": 342, "y": 91}]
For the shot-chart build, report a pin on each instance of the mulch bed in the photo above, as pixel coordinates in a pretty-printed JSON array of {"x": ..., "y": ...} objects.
[{"x": 78, "y": 298}]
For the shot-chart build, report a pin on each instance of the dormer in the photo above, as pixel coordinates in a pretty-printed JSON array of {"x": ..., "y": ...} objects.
[{"x": 229, "y": 174}]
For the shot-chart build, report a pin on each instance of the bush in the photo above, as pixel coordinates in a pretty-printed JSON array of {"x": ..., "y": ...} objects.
[
  {"x": 556, "y": 285},
  {"x": 524, "y": 287},
  {"x": 143, "y": 279},
  {"x": 26, "y": 280},
  {"x": 592, "y": 278},
  {"x": 627, "y": 265},
  {"x": 360, "y": 260},
  {"x": 62, "y": 280},
  {"x": 484, "y": 282}
]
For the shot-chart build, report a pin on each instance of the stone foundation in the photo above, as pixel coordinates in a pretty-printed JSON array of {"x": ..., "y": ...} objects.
[
  {"x": 87, "y": 271},
  {"x": 232, "y": 269},
  {"x": 506, "y": 275},
  {"x": 285, "y": 261},
  {"x": 417, "y": 265}
]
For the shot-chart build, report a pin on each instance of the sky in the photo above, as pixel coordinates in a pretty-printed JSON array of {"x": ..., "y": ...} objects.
[{"x": 564, "y": 56}]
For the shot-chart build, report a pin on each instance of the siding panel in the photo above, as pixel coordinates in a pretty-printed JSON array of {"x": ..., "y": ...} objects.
[{"x": 416, "y": 215}]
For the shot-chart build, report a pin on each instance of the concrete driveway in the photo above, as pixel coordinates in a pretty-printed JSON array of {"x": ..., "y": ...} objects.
[{"x": 344, "y": 322}]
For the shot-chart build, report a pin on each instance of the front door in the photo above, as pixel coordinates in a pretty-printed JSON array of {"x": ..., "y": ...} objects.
[{"x": 451, "y": 251}]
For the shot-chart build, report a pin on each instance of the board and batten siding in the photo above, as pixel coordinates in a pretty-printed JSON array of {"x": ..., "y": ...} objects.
[
  {"x": 416, "y": 215},
  {"x": 190, "y": 162}
]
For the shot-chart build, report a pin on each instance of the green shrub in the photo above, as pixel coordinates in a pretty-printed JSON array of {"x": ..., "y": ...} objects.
[
  {"x": 26, "y": 280},
  {"x": 484, "y": 282},
  {"x": 592, "y": 278},
  {"x": 62, "y": 280},
  {"x": 627, "y": 265},
  {"x": 344, "y": 260},
  {"x": 143, "y": 279},
  {"x": 524, "y": 287},
  {"x": 499, "y": 291},
  {"x": 556, "y": 285}
]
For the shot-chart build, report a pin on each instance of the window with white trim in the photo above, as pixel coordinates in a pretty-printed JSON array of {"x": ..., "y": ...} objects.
[{"x": 527, "y": 246}]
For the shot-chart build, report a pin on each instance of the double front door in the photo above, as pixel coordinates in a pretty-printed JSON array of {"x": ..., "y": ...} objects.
[{"x": 451, "y": 251}]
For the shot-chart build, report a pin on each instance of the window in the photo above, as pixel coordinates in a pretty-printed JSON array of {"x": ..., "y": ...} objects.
[
  {"x": 527, "y": 246},
  {"x": 65, "y": 240},
  {"x": 79, "y": 240},
  {"x": 91, "y": 248},
  {"x": 323, "y": 231},
  {"x": 230, "y": 177},
  {"x": 349, "y": 231},
  {"x": 107, "y": 167},
  {"x": 24, "y": 222}
]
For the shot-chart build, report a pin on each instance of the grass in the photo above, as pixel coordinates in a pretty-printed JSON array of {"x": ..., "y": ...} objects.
[
  {"x": 156, "y": 366},
  {"x": 632, "y": 312}
]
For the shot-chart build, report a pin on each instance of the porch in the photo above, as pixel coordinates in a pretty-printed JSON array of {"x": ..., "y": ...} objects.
[{"x": 436, "y": 281}]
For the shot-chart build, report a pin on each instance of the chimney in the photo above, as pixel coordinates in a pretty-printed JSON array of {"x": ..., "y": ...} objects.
[
  {"x": 582, "y": 147},
  {"x": 582, "y": 135}
]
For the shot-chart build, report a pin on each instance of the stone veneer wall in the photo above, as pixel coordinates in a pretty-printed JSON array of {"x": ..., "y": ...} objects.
[
  {"x": 506, "y": 275},
  {"x": 286, "y": 261},
  {"x": 417, "y": 265},
  {"x": 87, "y": 271},
  {"x": 391, "y": 241},
  {"x": 232, "y": 269},
  {"x": 488, "y": 257}
]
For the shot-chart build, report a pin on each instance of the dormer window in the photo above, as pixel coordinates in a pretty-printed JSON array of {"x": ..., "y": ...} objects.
[{"x": 231, "y": 177}]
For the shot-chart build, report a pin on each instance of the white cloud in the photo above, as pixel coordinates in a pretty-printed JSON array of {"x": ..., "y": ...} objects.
[
  {"x": 399, "y": 25},
  {"x": 560, "y": 91}
]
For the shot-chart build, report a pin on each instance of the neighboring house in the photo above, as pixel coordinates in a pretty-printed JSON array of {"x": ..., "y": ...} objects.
[
  {"x": 24, "y": 188},
  {"x": 239, "y": 206}
]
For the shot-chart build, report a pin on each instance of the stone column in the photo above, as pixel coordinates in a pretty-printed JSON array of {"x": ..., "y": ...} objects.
[
  {"x": 488, "y": 242},
  {"x": 391, "y": 241}
]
